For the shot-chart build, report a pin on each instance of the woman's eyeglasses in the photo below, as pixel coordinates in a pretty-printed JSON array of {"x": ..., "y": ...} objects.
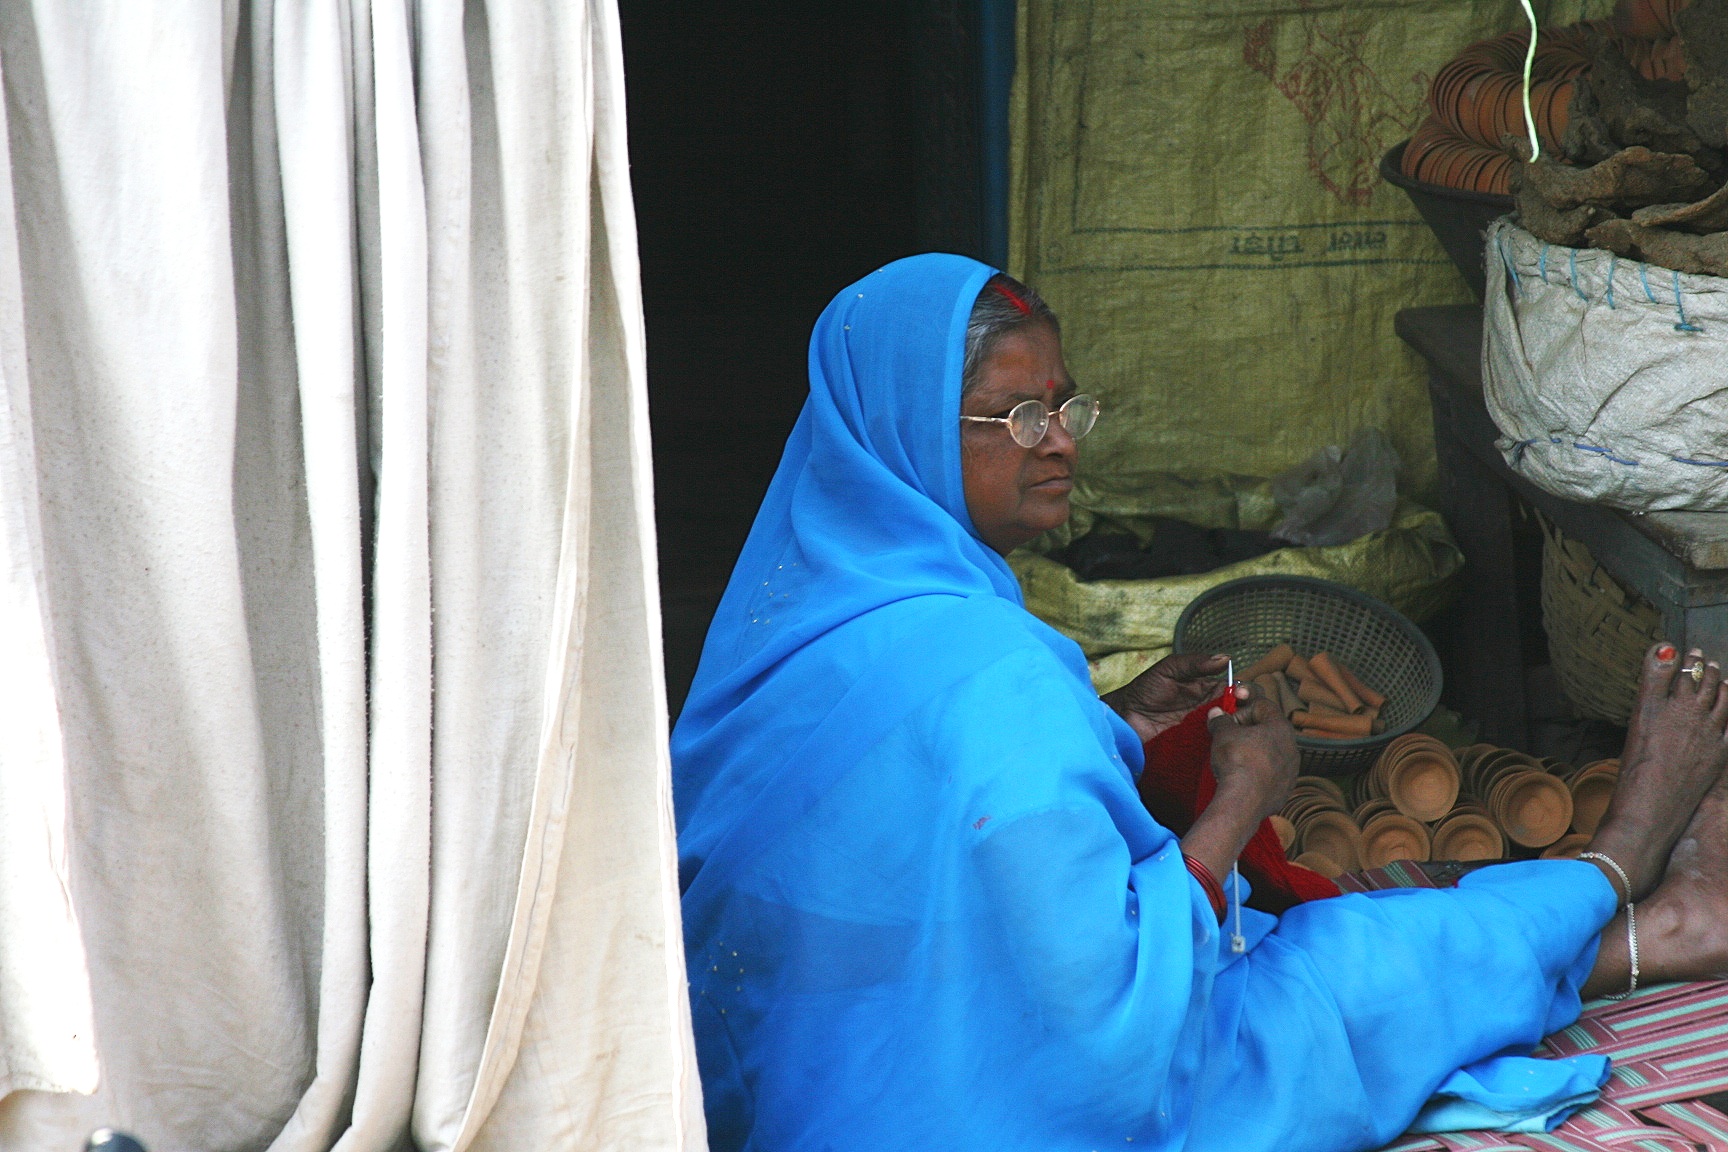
[{"x": 1029, "y": 421}]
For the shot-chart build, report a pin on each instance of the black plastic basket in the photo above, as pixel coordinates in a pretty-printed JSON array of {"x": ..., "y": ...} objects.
[
  {"x": 1249, "y": 617},
  {"x": 1457, "y": 218}
]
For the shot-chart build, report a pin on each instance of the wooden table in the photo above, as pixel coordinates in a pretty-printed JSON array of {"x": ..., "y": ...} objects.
[{"x": 1677, "y": 560}]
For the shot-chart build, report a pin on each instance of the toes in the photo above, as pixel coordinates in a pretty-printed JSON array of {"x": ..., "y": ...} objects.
[
  {"x": 1687, "y": 686},
  {"x": 1710, "y": 685},
  {"x": 1657, "y": 676}
]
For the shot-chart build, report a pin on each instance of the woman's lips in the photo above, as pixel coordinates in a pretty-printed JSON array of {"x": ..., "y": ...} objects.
[{"x": 1054, "y": 484}]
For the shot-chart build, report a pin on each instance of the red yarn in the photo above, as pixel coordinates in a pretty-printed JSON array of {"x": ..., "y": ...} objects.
[
  {"x": 1014, "y": 299},
  {"x": 1178, "y": 784}
]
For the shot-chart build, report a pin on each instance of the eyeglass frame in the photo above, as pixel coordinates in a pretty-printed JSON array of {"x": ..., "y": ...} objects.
[{"x": 1050, "y": 416}]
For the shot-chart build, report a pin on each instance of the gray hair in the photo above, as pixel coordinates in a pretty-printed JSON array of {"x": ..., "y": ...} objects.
[{"x": 1004, "y": 305}]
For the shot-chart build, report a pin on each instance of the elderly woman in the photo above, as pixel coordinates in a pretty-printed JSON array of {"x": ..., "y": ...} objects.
[{"x": 924, "y": 906}]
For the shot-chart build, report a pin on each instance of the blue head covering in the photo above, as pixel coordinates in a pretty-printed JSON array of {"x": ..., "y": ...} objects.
[
  {"x": 866, "y": 513},
  {"x": 867, "y": 507},
  {"x": 923, "y": 904}
]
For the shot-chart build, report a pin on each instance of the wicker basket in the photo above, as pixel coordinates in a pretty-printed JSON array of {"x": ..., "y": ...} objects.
[
  {"x": 1248, "y": 618},
  {"x": 1598, "y": 631}
]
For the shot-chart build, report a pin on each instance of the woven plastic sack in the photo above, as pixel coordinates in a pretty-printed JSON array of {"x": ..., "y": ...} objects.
[
  {"x": 1125, "y": 625},
  {"x": 1197, "y": 193},
  {"x": 1605, "y": 376}
]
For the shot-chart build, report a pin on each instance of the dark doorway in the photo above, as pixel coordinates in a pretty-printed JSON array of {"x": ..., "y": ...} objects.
[{"x": 775, "y": 153}]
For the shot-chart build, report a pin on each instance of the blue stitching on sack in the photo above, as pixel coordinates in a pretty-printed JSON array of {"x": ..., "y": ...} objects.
[
  {"x": 1506, "y": 259},
  {"x": 1542, "y": 263},
  {"x": 1608, "y": 454},
  {"x": 1679, "y": 303},
  {"x": 1572, "y": 257},
  {"x": 1520, "y": 446},
  {"x": 1644, "y": 275},
  {"x": 1612, "y": 257}
]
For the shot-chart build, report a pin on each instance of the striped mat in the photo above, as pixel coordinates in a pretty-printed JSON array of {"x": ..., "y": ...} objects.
[{"x": 1668, "y": 1091}]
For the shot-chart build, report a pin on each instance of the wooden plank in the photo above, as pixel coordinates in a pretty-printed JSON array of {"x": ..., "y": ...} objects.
[
  {"x": 1449, "y": 337},
  {"x": 1700, "y": 539},
  {"x": 1484, "y": 663}
]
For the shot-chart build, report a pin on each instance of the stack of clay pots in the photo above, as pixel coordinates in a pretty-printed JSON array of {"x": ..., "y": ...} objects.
[
  {"x": 1478, "y": 98},
  {"x": 1592, "y": 787},
  {"x": 1421, "y": 802},
  {"x": 1532, "y": 807},
  {"x": 1476, "y": 101}
]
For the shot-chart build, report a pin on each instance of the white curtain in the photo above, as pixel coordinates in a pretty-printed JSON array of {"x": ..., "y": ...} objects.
[{"x": 334, "y": 801}]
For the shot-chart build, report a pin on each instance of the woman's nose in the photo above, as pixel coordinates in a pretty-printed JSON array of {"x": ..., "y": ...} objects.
[{"x": 1058, "y": 441}]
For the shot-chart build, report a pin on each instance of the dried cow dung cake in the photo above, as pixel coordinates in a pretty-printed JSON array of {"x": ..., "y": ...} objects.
[
  {"x": 1566, "y": 228},
  {"x": 1702, "y": 216},
  {"x": 1681, "y": 251},
  {"x": 1632, "y": 178},
  {"x": 1704, "y": 32},
  {"x": 1614, "y": 107}
]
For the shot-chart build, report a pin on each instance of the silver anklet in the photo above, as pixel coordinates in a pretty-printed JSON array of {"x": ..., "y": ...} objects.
[{"x": 1631, "y": 920}]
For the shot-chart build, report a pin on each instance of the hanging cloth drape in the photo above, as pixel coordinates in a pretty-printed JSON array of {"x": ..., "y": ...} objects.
[{"x": 334, "y": 805}]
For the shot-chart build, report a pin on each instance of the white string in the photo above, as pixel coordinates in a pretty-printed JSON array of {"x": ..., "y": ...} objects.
[
  {"x": 1529, "y": 65},
  {"x": 1238, "y": 943}
]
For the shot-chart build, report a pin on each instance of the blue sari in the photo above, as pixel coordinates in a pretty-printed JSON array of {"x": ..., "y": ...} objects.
[{"x": 924, "y": 907}]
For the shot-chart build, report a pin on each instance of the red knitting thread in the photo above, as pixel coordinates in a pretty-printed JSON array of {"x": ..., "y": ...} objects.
[
  {"x": 1014, "y": 299},
  {"x": 1176, "y": 787}
]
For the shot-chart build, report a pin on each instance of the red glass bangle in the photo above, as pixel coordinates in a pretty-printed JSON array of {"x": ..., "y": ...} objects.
[{"x": 1214, "y": 890}]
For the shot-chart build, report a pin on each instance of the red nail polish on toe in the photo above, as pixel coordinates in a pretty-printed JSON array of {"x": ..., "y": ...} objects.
[{"x": 1666, "y": 652}]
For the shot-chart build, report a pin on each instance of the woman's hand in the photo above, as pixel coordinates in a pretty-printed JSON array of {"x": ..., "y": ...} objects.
[
  {"x": 1159, "y": 697},
  {"x": 1255, "y": 761},
  {"x": 1254, "y": 752}
]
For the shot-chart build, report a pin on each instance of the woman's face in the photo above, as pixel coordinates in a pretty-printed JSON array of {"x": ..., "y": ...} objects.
[{"x": 1015, "y": 494}]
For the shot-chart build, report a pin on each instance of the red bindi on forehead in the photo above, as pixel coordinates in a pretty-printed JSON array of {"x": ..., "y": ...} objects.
[{"x": 1049, "y": 385}]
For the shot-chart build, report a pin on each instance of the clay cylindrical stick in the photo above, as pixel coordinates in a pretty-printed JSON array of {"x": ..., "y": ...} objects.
[
  {"x": 1354, "y": 727},
  {"x": 1298, "y": 669},
  {"x": 1273, "y": 661},
  {"x": 1363, "y": 693},
  {"x": 1321, "y": 663},
  {"x": 1320, "y": 734},
  {"x": 1268, "y": 687},
  {"x": 1314, "y": 692},
  {"x": 1288, "y": 701}
]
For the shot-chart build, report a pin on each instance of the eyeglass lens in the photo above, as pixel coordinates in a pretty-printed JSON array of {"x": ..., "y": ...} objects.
[{"x": 1029, "y": 422}]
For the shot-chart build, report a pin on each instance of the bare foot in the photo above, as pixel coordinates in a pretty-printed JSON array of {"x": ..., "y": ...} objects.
[
  {"x": 1675, "y": 752},
  {"x": 1683, "y": 927},
  {"x": 1655, "y": 677}
]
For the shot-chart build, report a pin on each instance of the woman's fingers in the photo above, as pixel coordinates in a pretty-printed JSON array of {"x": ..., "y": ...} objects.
[
  {"x": 1257, "y": 709},
  {"x": 1186, "y": 667}
]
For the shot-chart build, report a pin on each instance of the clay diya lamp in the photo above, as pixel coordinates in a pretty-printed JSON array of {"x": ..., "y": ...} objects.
[
  {"x": 1284, "y": 830},
  {"x": 1319, "y": 862},
  {"x": 1335, "y": 835},
  {"x": 1567, "y": 847},
  {"x": 1393, "y": 836},
  {"x": 1424, "y": 783},
  {"x": 1533, "y": 808},
  {"x": 1490, "y": 770},
  {"x": 1592, "y": 791},
  {"x": 1470, "y": 753},
  {"x": 1468, "y": 836},
  {"x": 1370, "y": 809},
  {"x": 1324, "y": 784}
]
